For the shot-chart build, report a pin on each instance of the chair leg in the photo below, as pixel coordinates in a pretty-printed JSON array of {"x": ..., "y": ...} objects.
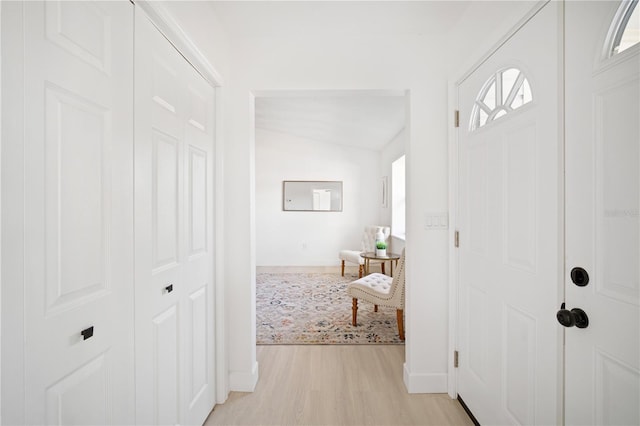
[
  {"x": 382, "y": 267},
  {"x": 343, "y": 268},
  {"x": 375, "y": 308},
  {"x": 400, "y": 324},
  {"x": 360, "y": 270},
  {"x": 354, "y": 310}
]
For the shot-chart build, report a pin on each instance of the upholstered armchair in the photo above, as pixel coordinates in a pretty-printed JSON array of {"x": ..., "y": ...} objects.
[
  {"x": 381, "y": 290},
  {"x": 368, "y": 243}
]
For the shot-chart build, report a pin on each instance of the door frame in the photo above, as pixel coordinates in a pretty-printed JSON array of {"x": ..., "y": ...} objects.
[
  {"x": 454, "y": 106},
  {"x": 0, "y": 199},
  {"x": 12, "y": 261}
]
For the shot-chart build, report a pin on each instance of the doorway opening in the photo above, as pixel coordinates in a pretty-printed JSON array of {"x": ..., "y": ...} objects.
[{"x": 346, "y": 136}]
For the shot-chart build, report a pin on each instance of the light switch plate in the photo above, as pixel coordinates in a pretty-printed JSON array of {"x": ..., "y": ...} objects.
[{"x": 436, "y": 221}]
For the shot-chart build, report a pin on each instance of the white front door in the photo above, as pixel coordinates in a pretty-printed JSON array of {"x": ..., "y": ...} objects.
[
  {"x": 76, "y": 232},
  {"x": 510, "y": 229},
  {"x": 602, "y": 384},
  {"x": 173, "y": 234}
]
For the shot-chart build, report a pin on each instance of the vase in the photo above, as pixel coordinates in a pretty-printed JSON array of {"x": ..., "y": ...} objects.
[{"x": 380, "y": 240}]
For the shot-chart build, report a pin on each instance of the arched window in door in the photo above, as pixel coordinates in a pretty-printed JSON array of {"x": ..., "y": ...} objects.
[
  {"x": 625, "y": 28},
  {"x": 504, "y": 92}
]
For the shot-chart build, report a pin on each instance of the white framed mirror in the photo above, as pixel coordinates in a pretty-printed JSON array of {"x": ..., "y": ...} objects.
[{"x": 312, "y": 196}]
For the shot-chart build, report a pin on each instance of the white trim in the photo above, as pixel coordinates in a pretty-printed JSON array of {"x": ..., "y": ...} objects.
[
  {"x": 323, "y": 93},
  {"x": 561, "y": 207},
  {"x": 401, "y": 237},
  {"x": 605, "y": 64},
  {"x": 423, "y": 382},
  {"x": 615, "y": 26},
  {"x": 521, "y": 23},
  {"x": 384, "y": 182},
  {"x": 0, "y": 207},
  {"x": 12, "y": 261},
  {"x": 452, "y": 388},
  {"x": 241, "y": 381},
  {"x": 221, "y": 343},
  {"x": 176, "y": 35}
]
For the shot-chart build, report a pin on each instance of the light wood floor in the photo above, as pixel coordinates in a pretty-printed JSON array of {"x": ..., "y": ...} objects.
[{"x": 335, "y": 385}]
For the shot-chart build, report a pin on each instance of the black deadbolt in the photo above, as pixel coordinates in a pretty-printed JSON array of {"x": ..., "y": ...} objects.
[
  {"x": 575, "y": 316},
  {"x": 579, "y": 276},
  {"x": 169, "y": 288}
]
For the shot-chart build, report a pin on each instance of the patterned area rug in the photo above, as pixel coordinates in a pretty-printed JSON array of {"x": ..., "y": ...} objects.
[{"x": 314, "y": 308}]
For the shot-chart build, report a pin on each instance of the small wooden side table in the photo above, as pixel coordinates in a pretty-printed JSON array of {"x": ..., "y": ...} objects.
[{"x": 371, "y": 255}]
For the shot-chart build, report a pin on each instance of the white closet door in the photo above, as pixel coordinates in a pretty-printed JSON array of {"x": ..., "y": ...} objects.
[
  {"x": 198, "y": 331},
  {"x": 173, "y": 232},
  {"x": 78, "y": 213}
]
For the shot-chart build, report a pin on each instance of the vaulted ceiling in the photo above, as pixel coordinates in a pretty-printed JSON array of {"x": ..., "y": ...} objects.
[{"x": 365, "y": 120}]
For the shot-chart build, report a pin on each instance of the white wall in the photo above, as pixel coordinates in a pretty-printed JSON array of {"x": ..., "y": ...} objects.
[
  {"x": 285, "y": 238},
  {"x": 349, "y": 62}
]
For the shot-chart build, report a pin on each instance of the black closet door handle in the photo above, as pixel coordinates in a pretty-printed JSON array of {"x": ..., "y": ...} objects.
[
  {"x": 169, "y": 288},
  {"x": 87, "y": 333}
]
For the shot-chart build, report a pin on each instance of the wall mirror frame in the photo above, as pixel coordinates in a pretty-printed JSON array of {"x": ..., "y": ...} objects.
[{"x": 311, "y": 196}]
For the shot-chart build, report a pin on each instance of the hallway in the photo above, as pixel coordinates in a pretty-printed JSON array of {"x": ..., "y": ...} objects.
[{"x": 332, "y": 385}]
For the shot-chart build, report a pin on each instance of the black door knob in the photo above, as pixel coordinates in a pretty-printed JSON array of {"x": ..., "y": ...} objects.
[
  {"x": 565, "y": 318},
  {"x": 579, "y": 276},
  {"x": 575, "y": 316}
]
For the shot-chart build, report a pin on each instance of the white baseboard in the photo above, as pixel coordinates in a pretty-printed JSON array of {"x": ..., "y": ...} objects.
[
  {"x": 424, "y": 383},
  {"x": 305, "y": 269},
  {"x": 244, "y": 381}
]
